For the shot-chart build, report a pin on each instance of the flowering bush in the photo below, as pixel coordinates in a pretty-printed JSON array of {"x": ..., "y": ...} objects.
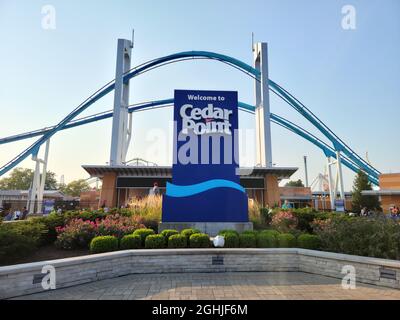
[
  {"x": 284, "y": 221},
  {"x": 118, "y": 226},
  {"x": 78, "y": 233}
]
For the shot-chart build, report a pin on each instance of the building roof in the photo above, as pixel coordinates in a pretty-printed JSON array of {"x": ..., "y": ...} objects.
[
  {"x": 14, "y": 193},
  {"x": 166, "y": 171},
  {"x": 383, "y": 192}
]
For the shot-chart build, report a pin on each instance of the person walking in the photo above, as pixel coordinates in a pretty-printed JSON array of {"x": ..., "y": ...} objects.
[
  {"x": 155, "y": 190},
  {"x": 286, "y": 205},
  {"x": 395, "y": 212},
  {"x": 24, "y": 213},
  {"x": 17, "y": 214},
  {"x": 364, "y": 212}
]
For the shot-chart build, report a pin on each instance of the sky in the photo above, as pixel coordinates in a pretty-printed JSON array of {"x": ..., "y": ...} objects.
[{"x": 347, "y": 77}]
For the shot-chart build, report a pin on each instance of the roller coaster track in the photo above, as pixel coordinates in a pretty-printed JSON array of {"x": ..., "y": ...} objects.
[
  {"x": 328, "y": 151},
  {"x": 338, "y": 144}
]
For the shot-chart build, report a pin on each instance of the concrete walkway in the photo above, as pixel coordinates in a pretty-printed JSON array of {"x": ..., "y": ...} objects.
[{"x": 241, "y": 285}]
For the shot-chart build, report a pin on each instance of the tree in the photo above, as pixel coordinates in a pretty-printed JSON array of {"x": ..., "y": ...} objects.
[
  {"x": 297, "y": 183},
  {"x": 74, "y": 188},
  {"x": 360, "y": 201},
  {"x": 21, "y": 179}
]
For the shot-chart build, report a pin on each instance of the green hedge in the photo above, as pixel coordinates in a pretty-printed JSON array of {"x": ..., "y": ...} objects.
[
  {"x": 231, "y": 240},
  {"x": 33, "y": 229},
  {"x": 253, "y": 232},
  {"x": 19, "y": 239},
  {"x": 362, "y": 236},
  {"x": 247, "y": 240},
  {"x": 309, "y": 241},
  {"x": 14, "y": 245},
  {"x": 143, "y": 233},
  {"x": 286, "y": 240},
  {"x": 266, "y": 240},
  {"x": 131, "y": 241},
  {"x": 188, "y": 232},
  {"x": 104, "y": 244},
  {"x": 167, "y": 233},
  {"x": 271, "y": 232},
  {"x": 199, "y": 240},
  {"x": 225, "y": 231},
  {"x": 177, "y": 241},
  {"x": 154, "y": 241}
]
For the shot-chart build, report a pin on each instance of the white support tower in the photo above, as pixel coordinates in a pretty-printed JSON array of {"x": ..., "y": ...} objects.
[
  {"x": 339, "y": 183},
  {"x": 36, "y": 192},
  {"x": 262, "y": 112},
  {"x": 332, "y": 190},
  {"x": 122, "y": 122},
  {"x": 306, "y": 171}
]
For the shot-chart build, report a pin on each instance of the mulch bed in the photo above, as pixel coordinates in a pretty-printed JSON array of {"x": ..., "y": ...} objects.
[{"x": 49, "y": 252}]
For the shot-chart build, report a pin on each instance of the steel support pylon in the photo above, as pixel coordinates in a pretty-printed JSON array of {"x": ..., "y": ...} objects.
[
  {"x": 262, "y": 112},
  {"x": 338, "y": 185},
  {"x": 122, "y": 123},
  {"x": 36, "y": 192}
]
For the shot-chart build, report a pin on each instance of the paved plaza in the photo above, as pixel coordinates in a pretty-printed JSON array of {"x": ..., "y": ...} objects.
[{"x": 230, "y": 286}]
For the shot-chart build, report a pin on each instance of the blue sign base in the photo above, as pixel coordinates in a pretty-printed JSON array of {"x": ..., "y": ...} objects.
[{"x": 216, "y": 205}]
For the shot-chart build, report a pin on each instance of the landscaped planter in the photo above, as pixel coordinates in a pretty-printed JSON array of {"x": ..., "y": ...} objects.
[{"x": 26, "y": 278}]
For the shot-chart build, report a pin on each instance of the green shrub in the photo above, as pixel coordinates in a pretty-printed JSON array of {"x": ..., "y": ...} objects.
[
  {"x": 86, "y": 215},
  {"x": 103, "y": 244},
  {"x": 199, "y": 240},
  {"x": 267, "y": 240},
  {"x": 177, "y": 241},
  {"x": 286, "y": 240},
  {"x": 247, "y": 240},
  {"x": 14, "y": 245},
  {"x": 154, "y": 241},
  {"x": 143, "y": 233},
  {"x": 309, "y": 241},
  {"x": 93, "y": 215},
  {"x": 52, "y": 222},
  {"x": 225, "y": 231},
  {"x": 188, "y": 232},
  {"x": 253, "y": 232},
  {"x": 270, "y": 232},
  {"x": 167, "y": 233},
  {"x": 131, "y": 241},
  {"x": 32, "y": 229},
  {"x": 370, "y": 237},
  {"x": 231, "y": 240},
  {"x": 151, "y": 224}
]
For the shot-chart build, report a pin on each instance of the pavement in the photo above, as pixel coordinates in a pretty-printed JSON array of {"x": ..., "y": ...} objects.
[{"x": 218, "y": 286}]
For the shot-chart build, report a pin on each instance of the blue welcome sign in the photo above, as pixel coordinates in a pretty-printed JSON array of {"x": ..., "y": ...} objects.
[{"x": 205, "y": 182}]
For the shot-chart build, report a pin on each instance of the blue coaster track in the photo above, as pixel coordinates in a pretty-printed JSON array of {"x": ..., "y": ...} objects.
[{"x": 352, "y": 160}]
